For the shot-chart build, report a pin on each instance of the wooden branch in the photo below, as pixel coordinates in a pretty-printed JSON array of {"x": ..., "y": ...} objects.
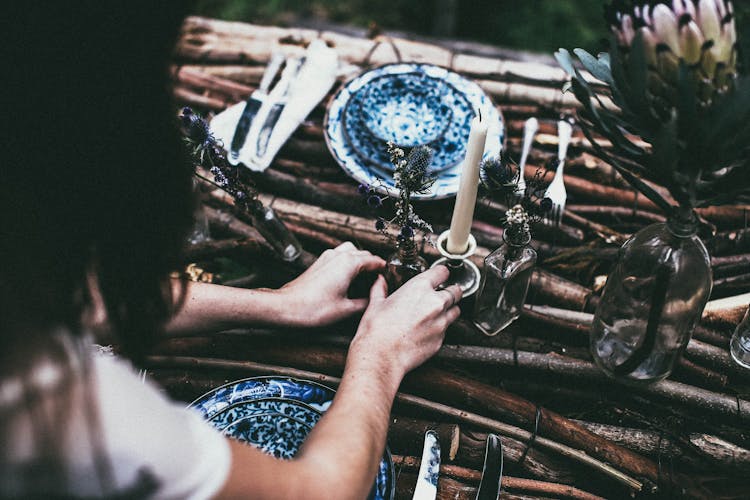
[
  {"x": 218, "y": 248},
  {"x": 188, "y": 97},
  {"x": 654, "y": 443},
  {"x": 618, "y": 212},
  {"x": 508, "y": 483},
  {"x": 407, "y": 434},
  {"x": 556, "y": 364},
  {"x": 726, "y": 312},
  {"x": 474, "y": 419},
  {"x": 232, "y": 91}
]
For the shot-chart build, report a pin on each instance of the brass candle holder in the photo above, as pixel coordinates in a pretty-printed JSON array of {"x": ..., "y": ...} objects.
[{"x": 463, "y": 272}]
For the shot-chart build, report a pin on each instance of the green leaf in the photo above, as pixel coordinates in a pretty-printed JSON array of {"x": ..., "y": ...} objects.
[
  {"x": 600, "y": 70},
  {"x": 566, "y": 61}
]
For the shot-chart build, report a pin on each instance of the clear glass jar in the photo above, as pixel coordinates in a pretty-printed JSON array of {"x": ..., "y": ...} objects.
[
  {"x": 653, "y": 299},
  {"x": 404, "y": 265},
  {"x": 275, "y": 232},
  {"x": 740, "y": 344},
  {"x": 505, "y": 282}
]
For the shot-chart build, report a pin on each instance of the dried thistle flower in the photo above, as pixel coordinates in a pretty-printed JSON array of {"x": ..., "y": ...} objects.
[
  {"x": 410, "y": 177},
  {"x": 500, "y": 177},
  {"x": 208, "y": 154}
]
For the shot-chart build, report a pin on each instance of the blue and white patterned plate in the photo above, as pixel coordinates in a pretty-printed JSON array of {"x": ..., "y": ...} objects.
[
  {"x": 409, "y": 109},
  {"x": 371, "y": 171},
  {"x": 274, "y": 433},
  {"x": 315, "y": 396},
  {"x": 285, "y": 407}
]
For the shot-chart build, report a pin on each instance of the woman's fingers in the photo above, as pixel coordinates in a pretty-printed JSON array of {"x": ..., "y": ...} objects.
[
  {"x": 452, "y": 314},
  {"x": 346, "y": 246},
  {"x": 453, "y": 296},
  {"x": 379, "y": 290},
  {"x": 435, "y": 276}
]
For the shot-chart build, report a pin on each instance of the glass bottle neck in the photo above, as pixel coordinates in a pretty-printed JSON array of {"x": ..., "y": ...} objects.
[
  {"x": 408, "y": 250},
  {"x": 683, "y": 223}
]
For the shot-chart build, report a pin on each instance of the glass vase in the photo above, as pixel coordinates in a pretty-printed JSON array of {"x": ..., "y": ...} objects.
[
  {"x": 653, "y": 299},
  {"x": 740, "y": 344},
  {"x": 505, "y": 283},
  {"x": 404, "y": 265},
  {"x": 276, "y": 233}
]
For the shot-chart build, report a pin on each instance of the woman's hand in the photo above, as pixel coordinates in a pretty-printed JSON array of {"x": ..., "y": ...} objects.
[
  {"x": 319, "y": 296},
  {"x": 400, "y": 332}
]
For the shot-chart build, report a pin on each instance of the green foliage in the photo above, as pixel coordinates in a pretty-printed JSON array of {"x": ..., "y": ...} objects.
[{"x": 541, "y": 25}]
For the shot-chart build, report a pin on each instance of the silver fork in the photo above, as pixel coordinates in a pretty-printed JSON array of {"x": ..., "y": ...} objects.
[
  {"x": 556, "y": 190},
  {"x": 530, "y": 129}
]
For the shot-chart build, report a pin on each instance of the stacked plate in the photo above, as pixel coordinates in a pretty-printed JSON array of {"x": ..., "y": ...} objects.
[
  {"x": 410, "y": 105},
  {"x": 276, "y": 415}
]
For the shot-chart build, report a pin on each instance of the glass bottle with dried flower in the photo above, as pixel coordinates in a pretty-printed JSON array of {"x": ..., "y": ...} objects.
[
  {"x": 208, "y": 154},
  {"x": 506, "y": 276},
  {"x": 410, "y": 177}
]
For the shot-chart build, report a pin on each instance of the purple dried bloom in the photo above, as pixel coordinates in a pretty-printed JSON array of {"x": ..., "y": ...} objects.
[
  {"x": 363, "y": 189},
  {"x": 380, "y": 224},
  {"x": 407, "y": 232},
  {"x": 374, "y": 201},
  {"x": 545, "y": 204}
]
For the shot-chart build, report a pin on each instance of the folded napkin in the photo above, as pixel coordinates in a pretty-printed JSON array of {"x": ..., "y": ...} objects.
[{"x": 310, "y": 85}]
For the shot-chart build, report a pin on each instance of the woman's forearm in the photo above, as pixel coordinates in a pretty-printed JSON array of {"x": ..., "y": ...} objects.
[
  {"x": 207, "y": 307},
  {"x": 340, "y": 457}
]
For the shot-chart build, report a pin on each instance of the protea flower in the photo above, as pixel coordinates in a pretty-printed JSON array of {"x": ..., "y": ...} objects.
[
  {"x": 672, "y": 74},
  {"x": 700, "y": 33}
]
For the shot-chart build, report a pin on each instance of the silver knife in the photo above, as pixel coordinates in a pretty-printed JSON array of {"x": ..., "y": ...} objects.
[
  {"x": 252, "y": 105},
  {"x": 492, "y": 471},
  {"x": 429, "y": 468},
  {"x": 282, "y": 90}
]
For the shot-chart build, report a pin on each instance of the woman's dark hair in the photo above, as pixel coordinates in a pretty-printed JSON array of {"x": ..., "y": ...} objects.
[{"x": 94, "y": 180}]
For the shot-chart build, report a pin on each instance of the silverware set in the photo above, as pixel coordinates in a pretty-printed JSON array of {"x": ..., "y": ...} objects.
[
  {"x": 252, "y": 106},
  {"x": 556, "y": 189},
  {"x": 429, "y": 469}
]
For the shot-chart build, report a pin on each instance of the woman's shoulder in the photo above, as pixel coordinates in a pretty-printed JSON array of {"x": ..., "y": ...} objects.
[{"x": 109, "y": 430}]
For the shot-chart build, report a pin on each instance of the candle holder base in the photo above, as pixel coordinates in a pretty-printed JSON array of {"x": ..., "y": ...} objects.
[{"x": 463, "y": 272}]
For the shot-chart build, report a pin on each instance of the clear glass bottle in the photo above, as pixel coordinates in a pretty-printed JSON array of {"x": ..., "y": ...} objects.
[
  {"x": 404, "y": 265},
  {"x": 653, "y": 299},
  {"x": 505, "y": 282},
  {"x": 200, "y": 231},
  {"x": 275, "y": 232},
  {"x": 740, "y": 344}
]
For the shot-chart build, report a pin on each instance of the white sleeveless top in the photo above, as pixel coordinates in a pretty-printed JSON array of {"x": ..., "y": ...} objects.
[{"x": 155, "y": 448}]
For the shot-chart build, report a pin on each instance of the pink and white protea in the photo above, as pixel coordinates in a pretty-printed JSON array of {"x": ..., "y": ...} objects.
[{"x": 701, "y": 33}]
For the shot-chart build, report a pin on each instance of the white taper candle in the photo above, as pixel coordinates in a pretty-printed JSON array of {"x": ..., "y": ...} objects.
[{"x": 463, "y": 212}]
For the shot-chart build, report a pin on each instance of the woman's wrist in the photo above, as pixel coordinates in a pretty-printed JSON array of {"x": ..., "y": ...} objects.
[{"x": 364, "y": 357}]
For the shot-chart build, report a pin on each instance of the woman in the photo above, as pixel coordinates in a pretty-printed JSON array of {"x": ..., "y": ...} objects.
[{"x": 95, "y": 203}]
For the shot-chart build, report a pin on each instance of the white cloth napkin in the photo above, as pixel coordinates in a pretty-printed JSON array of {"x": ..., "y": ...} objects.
[{"x": 308, "y": 88}]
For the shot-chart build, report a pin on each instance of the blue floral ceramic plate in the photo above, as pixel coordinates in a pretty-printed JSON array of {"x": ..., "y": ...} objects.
[
  {"x": 409, "y": 109},
  {"x": 367, "y": 167},
  {"x": 311, "y": 395},
  {"x": 284, "y": 407},
  {"x": 274, "y": 433}
]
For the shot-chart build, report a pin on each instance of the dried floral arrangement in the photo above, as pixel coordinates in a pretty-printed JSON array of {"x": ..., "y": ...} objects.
[
  {"x": 670, "y": 78},
  {"x": 410, "y": 177},
  {"x": 208, "y": 154},
  {"x": 500, "y": 177}
]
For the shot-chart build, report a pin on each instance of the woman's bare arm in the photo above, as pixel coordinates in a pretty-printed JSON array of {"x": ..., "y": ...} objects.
[
  {"x": 316, "y": 298},
  {"x": 341, "y": 455}
]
